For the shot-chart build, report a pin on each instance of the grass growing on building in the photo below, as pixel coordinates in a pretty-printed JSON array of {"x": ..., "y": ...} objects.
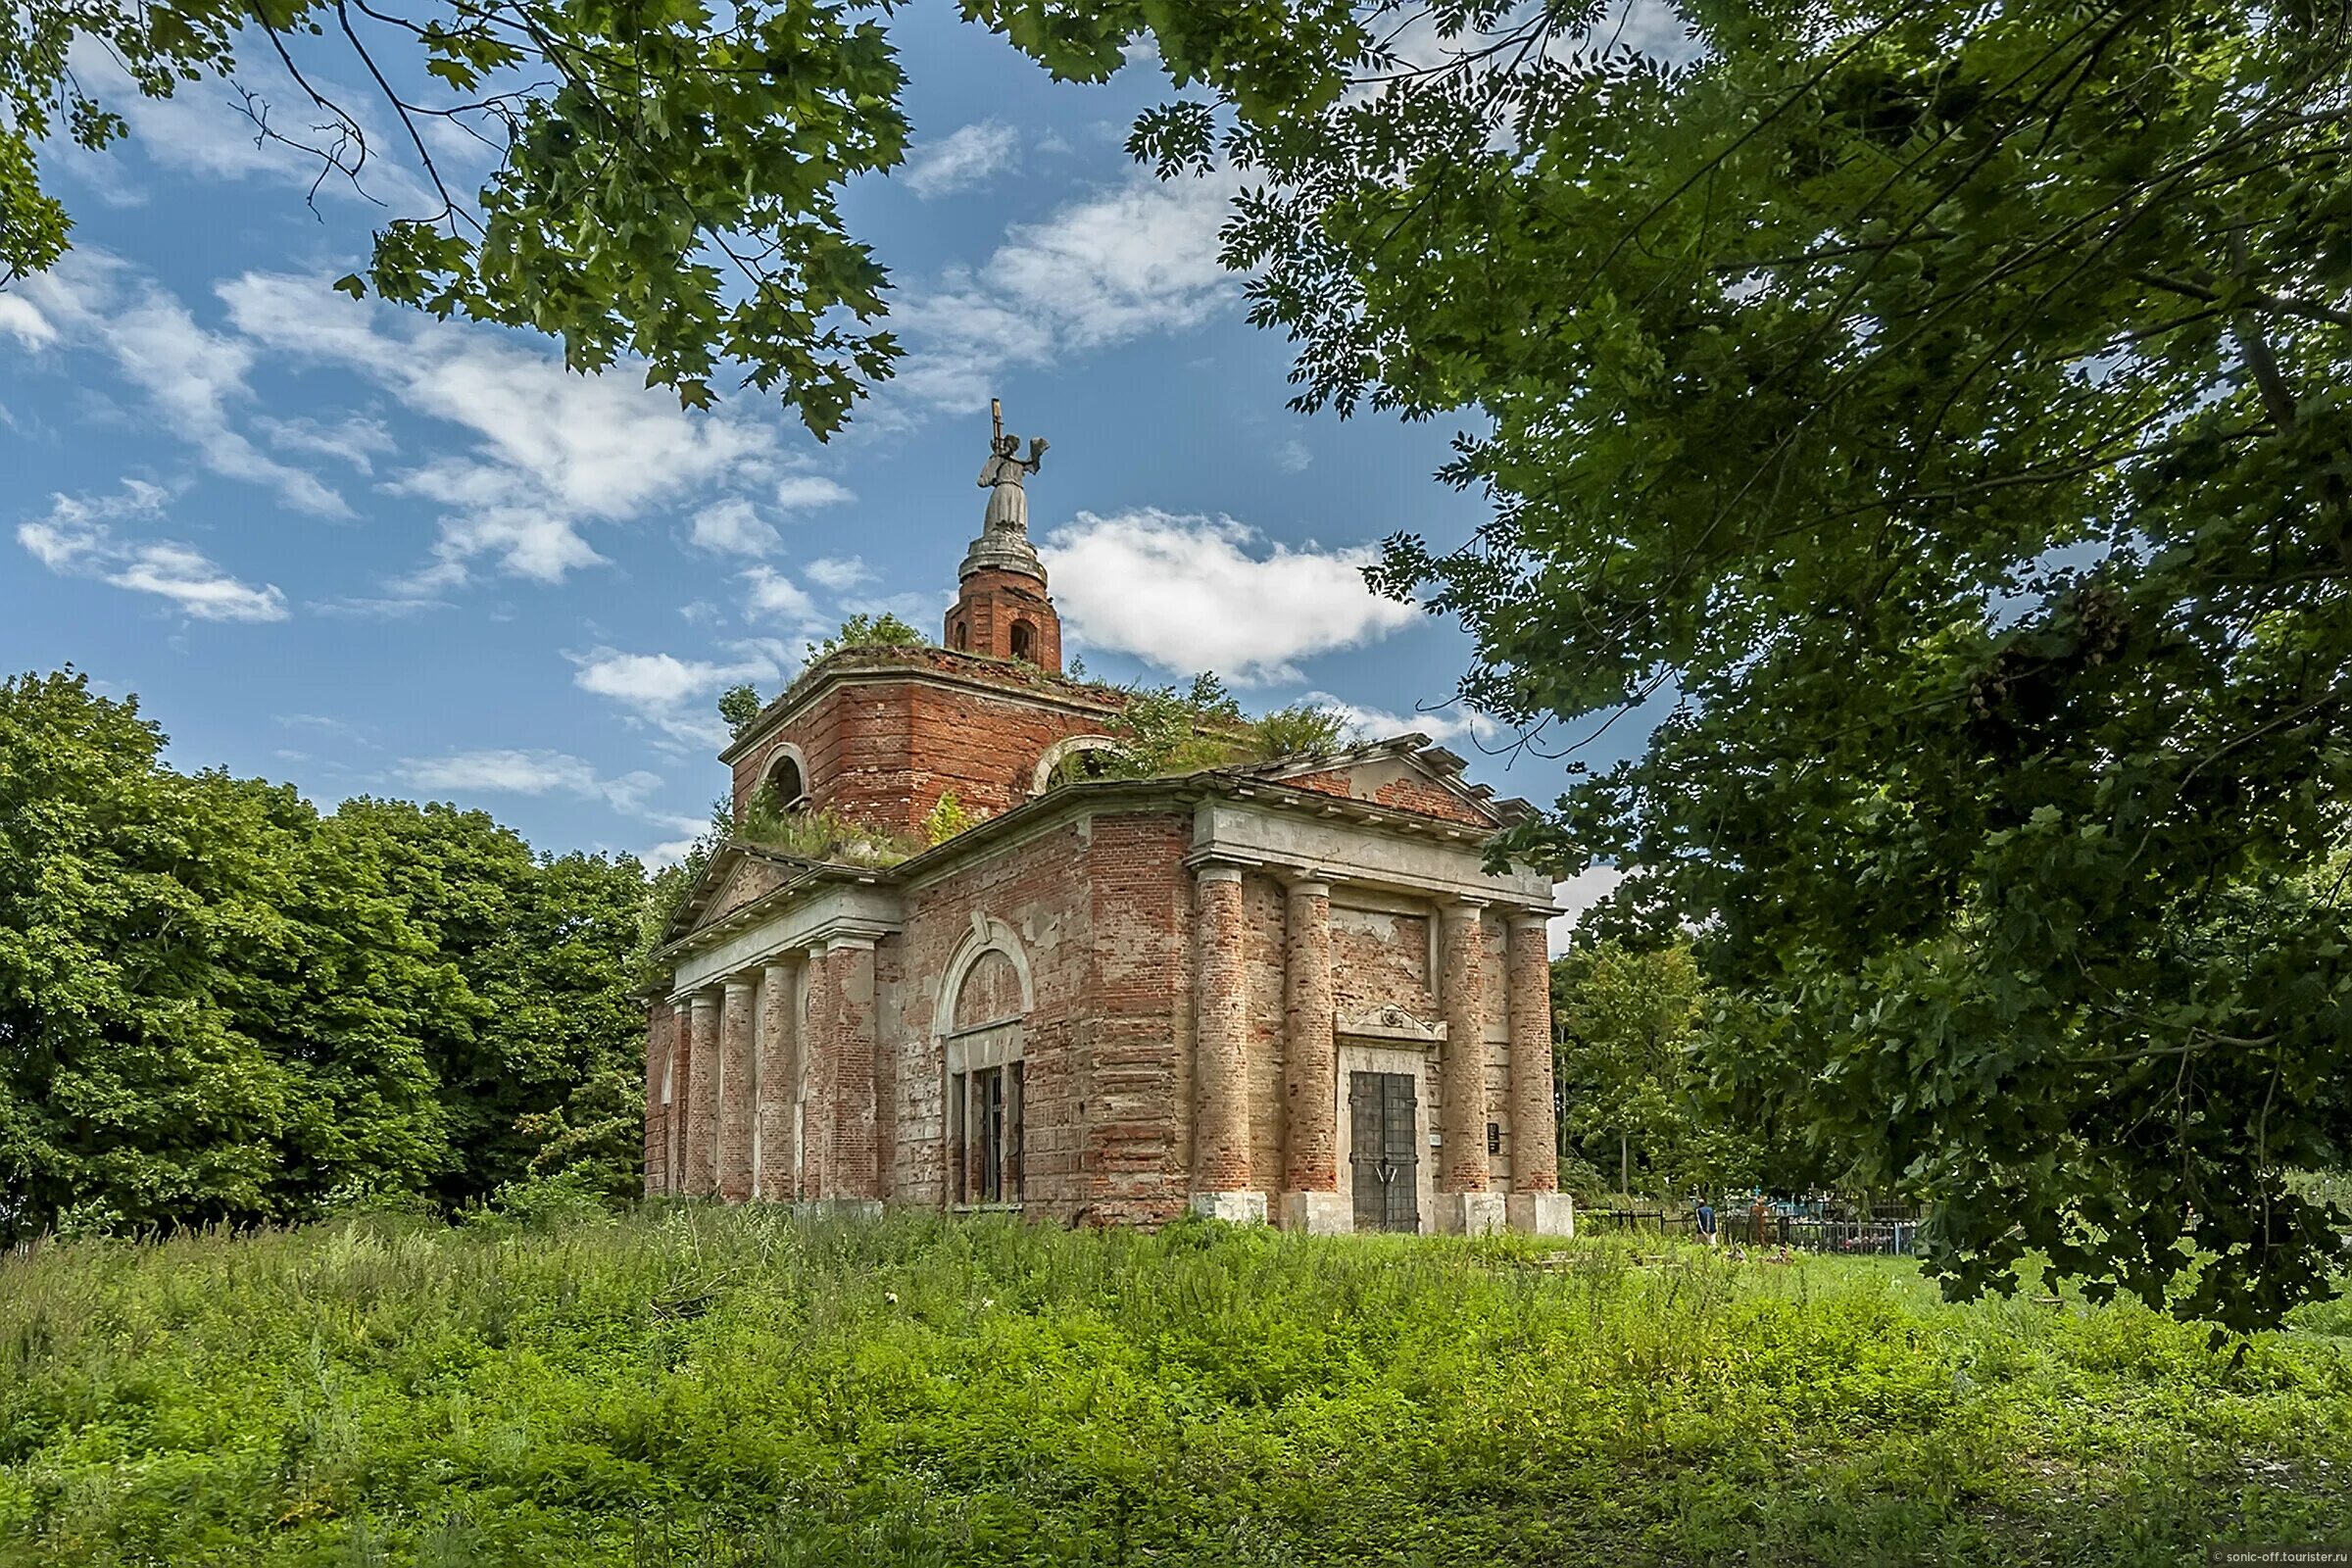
[{"x": 923, "y": 1392}]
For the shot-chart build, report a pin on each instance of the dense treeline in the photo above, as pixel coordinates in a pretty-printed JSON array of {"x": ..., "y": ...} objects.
[{"x": 220, "y": 1004}]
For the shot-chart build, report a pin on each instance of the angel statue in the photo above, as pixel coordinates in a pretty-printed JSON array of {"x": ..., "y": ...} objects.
[{"x": 1002, "y": 473}]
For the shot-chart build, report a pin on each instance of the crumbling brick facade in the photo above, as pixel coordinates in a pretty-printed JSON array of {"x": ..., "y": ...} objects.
[{"x": 1286, "y": 990}]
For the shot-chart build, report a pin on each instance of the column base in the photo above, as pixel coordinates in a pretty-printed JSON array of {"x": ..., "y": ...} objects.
[
  {"x": 1235, "y": 1209},
  {"x": 1540, "y": 1213},
  {"x": 1469, "y": 1214},
  {"x": 1318, "y": 1213}
]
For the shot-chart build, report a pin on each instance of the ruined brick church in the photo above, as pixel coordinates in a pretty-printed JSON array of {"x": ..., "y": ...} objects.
[{"x": 1281, "y": 989}]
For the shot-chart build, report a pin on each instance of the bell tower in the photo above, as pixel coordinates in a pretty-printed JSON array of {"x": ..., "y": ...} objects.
[{"x": 1002, "y": 609}]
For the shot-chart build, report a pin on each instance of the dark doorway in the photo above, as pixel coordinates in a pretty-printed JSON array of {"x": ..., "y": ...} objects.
[{"x": 1382, "y": 1150}]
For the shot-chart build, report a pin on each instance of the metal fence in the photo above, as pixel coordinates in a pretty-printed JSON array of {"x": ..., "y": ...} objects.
[{"x": 1808, "y": 1225}]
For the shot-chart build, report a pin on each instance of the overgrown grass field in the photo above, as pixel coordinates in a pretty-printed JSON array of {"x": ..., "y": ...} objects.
[{"x": 923, "y": 1392}]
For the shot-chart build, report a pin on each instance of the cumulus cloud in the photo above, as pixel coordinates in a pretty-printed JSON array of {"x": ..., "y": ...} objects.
[
  {"x": 797, "y": 492},
  {"x": 28, "y": 325},
  {"x": 961, "y": 160},
  {"x": 673, "y": 694},
  {"x": 839, "y": 572},
  {"x": 1222, "y": 597},
  {"x": 499, "y": 771},
  {"x": 552, "y": 451},
  {"x": 193, "y": 379},
  {"x": 1445, "y": 725},
  {"x": 775, "y": 598},
  {"x": 732, "y": 527},
  {"x": 354, "y": 439},
  {"x": 1133, "y": 260},
  {"x": 78, "y": 538},
  {"x": 1578, "y": 894}
]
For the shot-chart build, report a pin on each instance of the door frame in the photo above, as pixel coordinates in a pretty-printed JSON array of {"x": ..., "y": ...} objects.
[{"x": 1356, "y": 1056}]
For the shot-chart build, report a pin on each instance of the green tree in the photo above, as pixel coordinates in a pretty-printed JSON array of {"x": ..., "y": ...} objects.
[
  {"x": 863, "y": 630},
  {"x": 1940, "y": 407},
  {"x": 216, "y": 1005},
  {"x": 739, "y": 706},
  {"x": 663, "y": 180}
]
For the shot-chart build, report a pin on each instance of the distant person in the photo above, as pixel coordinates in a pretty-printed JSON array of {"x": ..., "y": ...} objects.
[
  {"x": 1706, "y": 1222},
  {"x": 1755, "y": 1218}
]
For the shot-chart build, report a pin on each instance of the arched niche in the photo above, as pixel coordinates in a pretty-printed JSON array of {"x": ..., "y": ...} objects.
[
  {"x": 785, "y": 779},
  {"x": 985, "y": 997},
  {"x": 1042, "y": 779}
]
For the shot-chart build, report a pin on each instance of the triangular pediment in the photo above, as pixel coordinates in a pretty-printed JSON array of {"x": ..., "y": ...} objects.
[
  {"x": 734, "y": 877},
  {"x": 1403, "y": 775}
]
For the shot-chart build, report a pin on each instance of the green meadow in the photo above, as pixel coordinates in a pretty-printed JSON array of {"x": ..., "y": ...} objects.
[{"x": 701, "y": 1386}]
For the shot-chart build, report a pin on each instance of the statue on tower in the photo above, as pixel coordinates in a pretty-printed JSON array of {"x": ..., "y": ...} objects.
[{"x": 1001, "y": 476}]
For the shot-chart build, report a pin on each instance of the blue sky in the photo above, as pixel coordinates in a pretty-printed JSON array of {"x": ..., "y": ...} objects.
[{"x": 342, "y": 543}]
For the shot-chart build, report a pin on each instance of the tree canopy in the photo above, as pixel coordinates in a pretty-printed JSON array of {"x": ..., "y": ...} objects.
[{"x": 218, "y": 1003}]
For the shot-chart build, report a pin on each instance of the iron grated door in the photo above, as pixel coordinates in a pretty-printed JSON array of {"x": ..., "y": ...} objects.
[{"x": 1382, "y": 1153}]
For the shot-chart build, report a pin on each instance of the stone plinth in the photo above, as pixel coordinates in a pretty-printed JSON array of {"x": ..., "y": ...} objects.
[
  {"x": 1469, "y": 1214},
  {"x": 1318, "y": 1213},
  {"x": 1237, "y": 1208},
  {"x": 1540, "y": 1213}
]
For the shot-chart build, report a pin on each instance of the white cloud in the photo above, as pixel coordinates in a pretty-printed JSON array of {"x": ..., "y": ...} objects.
[
  {"x": 1136, "y": 258},
  {"x": 193, "y": 378},
  {"x": 354, "y": 439},
  {"x": 1578, "y": 894},
  {"x": 776, "y": 598},
  {"x": 1446, "y": 725},
  {"x": 1293, "y": 456},
  {"x": 499, "y": 771},
  {"x": 1215, "y": 605},
  {"x": 839, "y": 573},
  {"x": 28, "y": 325},
  {"x": 79, "y": 539},
  {"x": 961, "y": 160},
  {"x": 797, "y": 492},
  {"x": 552, "y": 452},
  {"x": 732, "y": 527},
  {"x": 203, "y": 129},
  {"x": 675, "y": 695}
]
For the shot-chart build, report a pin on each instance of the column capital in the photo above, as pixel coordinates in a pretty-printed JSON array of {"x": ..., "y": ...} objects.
[
  {"x": 775, "y": 968},
  {"x": 1528, "y": 920},
  {"x": 706, "y": 997},
  {"x": 1461, "y": 907},
  {"x": 845, "y": 944},
  {"x": 1308, "y": 884},
  {"x": 1217, "y": 872},
  {"x": 739, "y": 981}
]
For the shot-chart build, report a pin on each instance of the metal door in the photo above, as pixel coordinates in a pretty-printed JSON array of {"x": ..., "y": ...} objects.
[{"x": 1382, "y": 1150}]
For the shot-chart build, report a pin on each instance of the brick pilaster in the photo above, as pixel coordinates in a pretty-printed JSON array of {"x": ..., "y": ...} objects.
[
  {"x": 1535, "y": 1139},
  {"x": 1310, "y": 1062},
  {"x": 1220, "y": 1027},
  {"x": 681, "y": 1088},
  {"x": 779, "y": 1082},
  {"x": 856, "y": 1128},
  {"x": 701, "y": 1106},
  {"x": 1462, "y": 1163},
  {"x": 735, "y": 1094}
]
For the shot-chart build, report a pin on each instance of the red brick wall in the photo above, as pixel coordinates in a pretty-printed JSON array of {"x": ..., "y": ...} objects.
[
  {"x": 880, "y": 753},
  {"x": 1040, "y": 890},
  {"x": 990, "y": 603},
  {"x": 1264, "y": 919},
  {"x": 1137, "y": 1105},
  {"x": 1380, "y": 959}
]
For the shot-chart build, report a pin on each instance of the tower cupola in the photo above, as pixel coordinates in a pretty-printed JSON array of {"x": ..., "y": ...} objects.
[{"x": 1002, "y": 609}]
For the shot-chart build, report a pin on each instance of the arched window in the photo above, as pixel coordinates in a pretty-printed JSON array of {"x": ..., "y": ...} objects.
[
  {"x": 787, "y": 784},
  {"x": 1024, "y": 641},
  {"x": 983, "y": 1005},
  {"x": 959, "y": 637}
]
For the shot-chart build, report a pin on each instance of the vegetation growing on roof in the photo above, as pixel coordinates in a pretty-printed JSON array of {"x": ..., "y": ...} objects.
[
  {"x": 885, "y": 630},
  {"x": 1162, "y": 731},
  {"x": 949, "y": 817}
]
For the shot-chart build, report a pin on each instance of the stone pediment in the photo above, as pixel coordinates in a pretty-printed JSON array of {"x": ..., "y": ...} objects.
[{"x": 1405, "y": 774}]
